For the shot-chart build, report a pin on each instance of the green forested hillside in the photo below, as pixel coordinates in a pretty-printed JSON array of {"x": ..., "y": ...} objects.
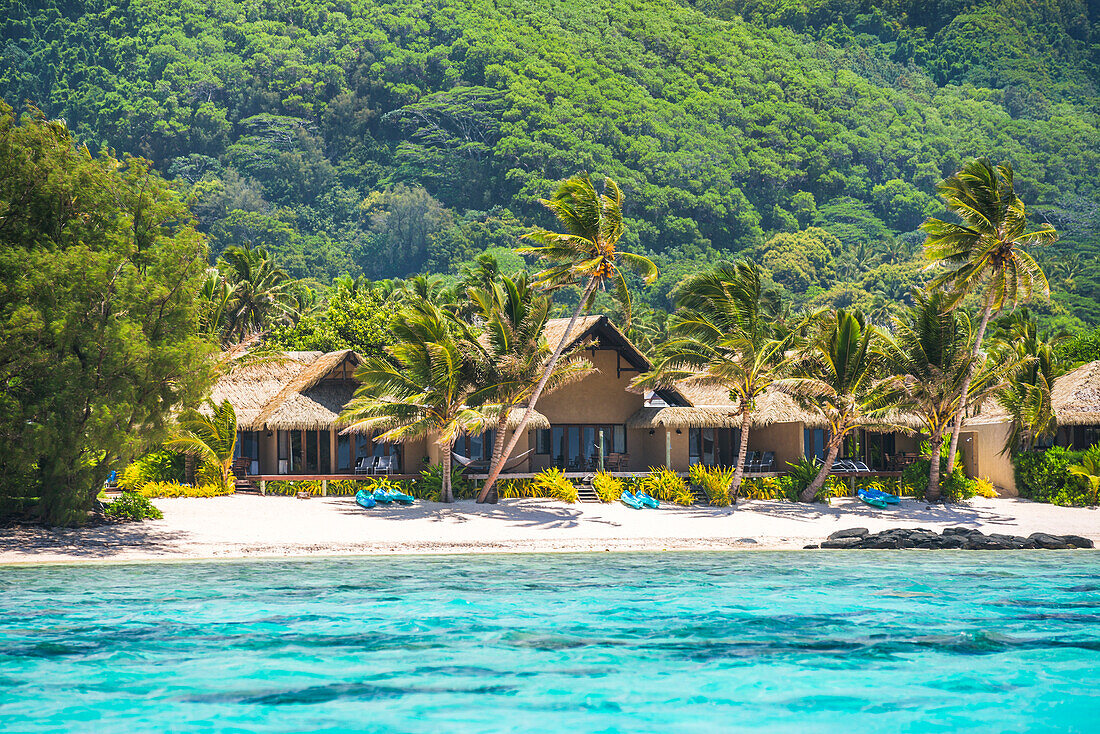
[{"x": 387, "y": 138}]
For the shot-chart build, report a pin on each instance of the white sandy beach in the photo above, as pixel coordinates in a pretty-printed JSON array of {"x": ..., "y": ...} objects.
[{"x": 243, "y": 526}]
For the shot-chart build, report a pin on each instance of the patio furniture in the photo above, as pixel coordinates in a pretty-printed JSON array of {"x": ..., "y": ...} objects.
[
  {"x": 365, "y": 465},
  {"x": 767, "y": 461},
  {"x": 751, "y": 460},
  {"x": 385, "y": 465}
]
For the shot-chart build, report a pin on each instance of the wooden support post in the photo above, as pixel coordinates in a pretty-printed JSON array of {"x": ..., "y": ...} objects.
[
  {"x": 668, "y": 449},
  {"x": 601, "y": 447},
  {"x": 263, "y": 486},
  {"x": 324, "y": 488}
]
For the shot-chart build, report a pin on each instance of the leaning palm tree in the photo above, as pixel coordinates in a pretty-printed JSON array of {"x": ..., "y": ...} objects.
[
  {"x": 513, "y": 350},
  {"x": 422, "y": 388},
  {"x": 984, "y": 253},
  {"x": 211, "y": 437},
  {"x": 1027, "y": 395},
  {"x": 930, "y": 357},
  {"x": 585, "y": 253},
  {"x": 838, "y": 377},
  {"x": 723, "y": 334}
]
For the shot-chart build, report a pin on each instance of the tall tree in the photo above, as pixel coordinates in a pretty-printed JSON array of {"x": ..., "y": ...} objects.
[
  {"x": 261, "y": 293},
  {"x": 513, "y": 349},
  {"x": 210, "y": 437},
  {"x": 586, "y": 252},
  {"x": 422, "y": 388},
  {"x": 100, "y": 269},
  {"x": 1035, "y": 365},
  {"x": 985, "y": 253},
  {"x": 723, "y": 334},
  {"x": 930, "y": 355},
  {"x": 838, "y": 376}
]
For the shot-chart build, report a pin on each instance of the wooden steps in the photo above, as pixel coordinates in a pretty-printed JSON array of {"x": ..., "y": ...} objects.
[{"x": 587, "y": 493}]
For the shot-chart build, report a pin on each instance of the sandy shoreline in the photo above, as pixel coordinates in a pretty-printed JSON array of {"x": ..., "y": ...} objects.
[{"x": 244, "y": 526}]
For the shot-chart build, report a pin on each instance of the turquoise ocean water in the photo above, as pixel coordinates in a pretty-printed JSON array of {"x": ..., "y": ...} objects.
[{"x": 748, "y": 641}]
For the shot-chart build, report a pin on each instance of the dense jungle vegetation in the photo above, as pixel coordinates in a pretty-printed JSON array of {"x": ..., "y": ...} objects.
[{"x": 383, "y": 139}]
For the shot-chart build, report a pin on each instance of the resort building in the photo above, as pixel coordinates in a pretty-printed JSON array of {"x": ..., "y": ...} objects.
[
  {"x": 287, "y": 410},
  {"x": 1075, "y": 398}
]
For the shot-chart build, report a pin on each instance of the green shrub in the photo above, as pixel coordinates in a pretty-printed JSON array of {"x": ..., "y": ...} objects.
[
  {"x": 984, "y": 488},
  {"x": 172, "y": 489},
  {"x": 553, "y": 483},
  {"x": 715, "y": 482},
  {"x": 665, "y": 485},
  {"x": 430, "y": 484},
  {"x": 799, "y": 476},
  {"x": 763, "y": 488},
  {"x": 157, "y": 466},
  {"x": 514, "y": 489},
  {"x": 608, "y": 488},
  {"x": 131, "y": 506},
  {"x": 1044, "y": 476}
]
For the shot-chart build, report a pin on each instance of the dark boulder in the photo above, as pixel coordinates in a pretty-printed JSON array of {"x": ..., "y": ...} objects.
[
  {"x": 1048, "y": 541},
  {"x": 849, "y": 542},
  {"x": 1076, "y": 541},
  {"x": 849, "y": 533}
]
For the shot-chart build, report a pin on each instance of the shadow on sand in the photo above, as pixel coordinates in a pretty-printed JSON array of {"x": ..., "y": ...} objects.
[
  {"x": 515, "y": 513},
  {"x": 101, "y": 541}
]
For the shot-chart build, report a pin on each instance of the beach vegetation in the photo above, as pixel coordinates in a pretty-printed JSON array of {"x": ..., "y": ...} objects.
[
  {"x": 765, "y": 488},
  {"x": 715, "y": 481},
  {"x": 430, "y": 484},
  {"x": 210, "y": 435},
  {"x": 1043, "y": 475},
  {"x": 132, "y": 507},
  {"x": 608, "y": 488},
  {"x": 665, "y": 485},
  {"x": 587, "y": 255},
  {"x": 159, "y": 489},
  {"x": 100, "y": 266},
  {"x": 1087, "y": 471},
  {"x": 554, "y": 484}
]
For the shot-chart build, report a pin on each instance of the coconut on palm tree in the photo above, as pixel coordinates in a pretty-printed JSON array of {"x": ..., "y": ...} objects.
[
  {"x": 211, "y": 437},
  {"x": 839, "y": 376},
  {"x": 513, "y": 349},
  {"x": 985, "y": 253},
  {"x": 422, "y": 388},
  {"x": 723, "y": 334},
  {"x": 930, "y": 355},
  {"x": 585, "y": 254}
]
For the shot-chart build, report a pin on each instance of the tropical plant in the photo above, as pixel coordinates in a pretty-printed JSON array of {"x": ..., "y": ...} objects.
[
  {"x": 930, "y": 355},
  {"x": 132, "y": 507},
  {"x": 259, "y": 293},
  {"x": 608, "y": 488},
  {"x": 553, "y": 483},
  {"x": 665, "y": 485},
  {"x": 1027, "y": 395},
  {"x": 723, "y": 335},
  {"x": 585, "y": 253},
  {"x": 174, "y": 489},
  {"x": 1088, "y": 470},
  {"x": 715, "y": 481},
  {"x": 987, "y": 250},
  {"x": 421, "y": 389},
  {"x": 513, "y": 351},
  {"x": 838, "y": 377},
  {"x": 155, "y": 466},
  {"x": 211, "y": 437}
]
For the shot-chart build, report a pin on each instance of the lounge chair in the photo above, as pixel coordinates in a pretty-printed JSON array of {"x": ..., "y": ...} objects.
[
  {"x": 752, "y": 459},
  {"x": 385, "y": 465},
  {"x": 767, "y": 461},
  {"x": 365, "y": 465}
]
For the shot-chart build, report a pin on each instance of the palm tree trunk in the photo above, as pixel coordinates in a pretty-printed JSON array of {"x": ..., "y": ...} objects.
[
  {"x": 960, "y": 412},
  {"x": 498, "y": 445},
  {"x": 550, "y": 365},
  {"x": 445, "y": 494},
  {"x": 742, "y": 450},
  {"x": 810, "y": 492},
  {"x": 932, "y": 492}
]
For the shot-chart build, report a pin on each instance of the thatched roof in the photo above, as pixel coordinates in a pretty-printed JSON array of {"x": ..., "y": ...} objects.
[
  {"x": 538, "y": 420},
  {"x": 1075, "y": 397},
  {"x": 251, "y": 385}
]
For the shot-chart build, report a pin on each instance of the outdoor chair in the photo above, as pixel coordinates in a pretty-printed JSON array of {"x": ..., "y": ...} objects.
[
  {"x": 767, "y": 462},
  {"x": 365, "y": 465},
  {"x": 751, "y": 460},
  {"x": 859, "y": 466},
  {"x": 384, "y": 465}
]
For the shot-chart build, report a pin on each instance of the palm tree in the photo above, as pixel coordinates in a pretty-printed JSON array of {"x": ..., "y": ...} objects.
[
  {"x": 987, "y": 250},
  {"x": 422, "y": 388},
  {"x": 585, "y": 253},
  {"x": 1089, "y": 470},
  {"x": 211, "y": 438},
  {"x": 513, "y": 349},
  {"x": 218, "y": 294},
  {"x": 723, "y": 335},
  {"x": 1027, "y": 395},
  {"x": 262, "y": 292},
  {"x": 930, "y": 356},
  {"x": 837, "y": 377}
]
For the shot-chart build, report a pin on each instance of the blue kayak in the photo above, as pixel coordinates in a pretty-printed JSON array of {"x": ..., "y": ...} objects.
[
  {"x": 870, "y": 500},
  {"x": 630, "y": 500},
  {"x": 363, "y": 498},
  {"x": 381, "y": 495},
  {"x": 646, "y": 500},
  {"x": 397, "y": 495},
  {"x": 886, "y": 497}
]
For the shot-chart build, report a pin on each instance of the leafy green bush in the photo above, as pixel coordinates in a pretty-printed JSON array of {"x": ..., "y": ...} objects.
[
  {"x": 715, "y": 482},
  {"x": 553, "y": 483},
  {"x": 763, "y": 488},
  {"x": 156, "y": 466},
  {"x": 1087, "y": 473},
  {"x": 514, "y": 489},
  {"x": 430, "y": 484},
  {"x": 131, "y": 506},
  {"x": 1044, "y": 476},
  {"x": 608, "y": 488},
  {"x": 799, "y": 476},
  {"x": 172, "y": 489},
  {"x": 665, "y": 485}
]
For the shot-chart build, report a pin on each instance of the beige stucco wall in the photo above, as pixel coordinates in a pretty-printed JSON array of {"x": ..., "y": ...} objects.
[
  {"x": 981, "y": 446},
  {"x": 785, "y": 439},
  {"x": 598, "y": 398}
]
